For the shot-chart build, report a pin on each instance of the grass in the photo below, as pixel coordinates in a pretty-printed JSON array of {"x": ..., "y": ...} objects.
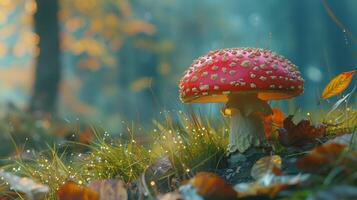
[
  {"x": 48, "y": 168},
  {"x": 125, "y": 160},
  {"x": 191, "y": 144}
]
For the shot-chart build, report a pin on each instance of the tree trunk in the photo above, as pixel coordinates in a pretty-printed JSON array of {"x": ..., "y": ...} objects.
[{"x": 48, "y": 69}]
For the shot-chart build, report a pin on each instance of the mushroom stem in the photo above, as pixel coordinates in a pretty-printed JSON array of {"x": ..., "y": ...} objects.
[{"x": 247, "y": 129}]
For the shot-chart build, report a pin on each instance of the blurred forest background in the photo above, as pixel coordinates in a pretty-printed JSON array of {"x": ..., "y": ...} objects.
[{"x": 111, "y": 60}]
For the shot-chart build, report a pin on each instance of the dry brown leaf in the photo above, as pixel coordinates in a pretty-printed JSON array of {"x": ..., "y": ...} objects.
[
  {"x": 338, "y": 84},
  {"x": 321, "y": 159},
  {"x": 265, "y": 165},
  {"x": 299, "y": 134},
  {"x": 211, "y": 186}
]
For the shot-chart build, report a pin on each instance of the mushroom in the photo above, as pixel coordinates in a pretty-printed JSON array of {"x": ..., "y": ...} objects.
[{"x": 244, "y": 79}]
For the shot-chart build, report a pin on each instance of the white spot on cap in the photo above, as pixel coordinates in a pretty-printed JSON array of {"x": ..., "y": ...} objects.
[
  {"x": 232, "y": 72},
  {"x": 233, "y": 64},
  {"x": 226, "y": 92},
  {"x": 204, "y": 87},
  {"x": 245, "y": 63},
  {"x": 214, "y": 76},
  {"x": 194, "y": 78},
  {"x": 263, "y": 78},
  {"x": 225, "y": 58},
  {"x": 224, "y": 70},
  {"x": 216, "y": 87},
  {"x": 214, "y": 67},
  {"x": 252, "y": 85},
  {"x": 274, "y": 66},
  {"x": 204, "y": 74}
]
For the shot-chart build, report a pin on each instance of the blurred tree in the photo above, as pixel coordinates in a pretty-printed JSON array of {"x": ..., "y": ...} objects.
[{"x": 48, "y": 67}]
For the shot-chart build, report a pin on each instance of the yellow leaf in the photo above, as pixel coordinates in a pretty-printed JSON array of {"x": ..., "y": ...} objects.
[{"x": 338, "y": 84}]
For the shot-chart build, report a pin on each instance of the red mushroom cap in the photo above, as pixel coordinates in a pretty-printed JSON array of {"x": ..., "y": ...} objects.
[{"x": 213, "y": 77}]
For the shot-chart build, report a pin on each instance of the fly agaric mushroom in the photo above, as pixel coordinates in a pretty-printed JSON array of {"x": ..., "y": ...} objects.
[{"x": 244, "y": 79}]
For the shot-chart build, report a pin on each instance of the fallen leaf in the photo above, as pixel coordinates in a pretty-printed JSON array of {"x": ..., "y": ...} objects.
[
  {"x": 265, "y": 165},
  {"x": 109, "y": 189},
  {"x": 338, "y": 84},
  {"x": 300, "y": 134},
  {"x": 269, "y": 185},
  {"x": 32, "y": 190},
  {"x": 72, "y": 191},
  {"x": 321, "y": 159},
  {"x": 273, "y": 122},
  {"x": 209, "y": 186}
]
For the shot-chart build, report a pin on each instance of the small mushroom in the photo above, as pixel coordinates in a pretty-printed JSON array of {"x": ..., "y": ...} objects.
[{"x": 245, "y": 91}]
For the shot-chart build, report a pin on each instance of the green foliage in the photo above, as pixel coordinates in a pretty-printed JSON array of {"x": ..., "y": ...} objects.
[
  {"x": 49, "y": 168},
  {"x": 192, "y": 145},
  {"x": 341, "y": 121},
  {"x": 125, "y": 160}
]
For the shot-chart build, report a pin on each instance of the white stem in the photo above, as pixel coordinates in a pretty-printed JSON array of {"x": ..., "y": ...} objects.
[{"x": 246, "y": 131}]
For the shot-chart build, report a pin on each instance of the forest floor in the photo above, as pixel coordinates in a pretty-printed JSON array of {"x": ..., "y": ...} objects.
[{"x": 177, "y": 160}]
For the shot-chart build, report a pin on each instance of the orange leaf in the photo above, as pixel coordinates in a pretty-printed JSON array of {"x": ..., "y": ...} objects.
[
  {"x": 211, "y": 186},
  {"x": 338, "y": 84},
  {"x": 273, "y": 122},
  {"x": 71, "y": 191}
]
